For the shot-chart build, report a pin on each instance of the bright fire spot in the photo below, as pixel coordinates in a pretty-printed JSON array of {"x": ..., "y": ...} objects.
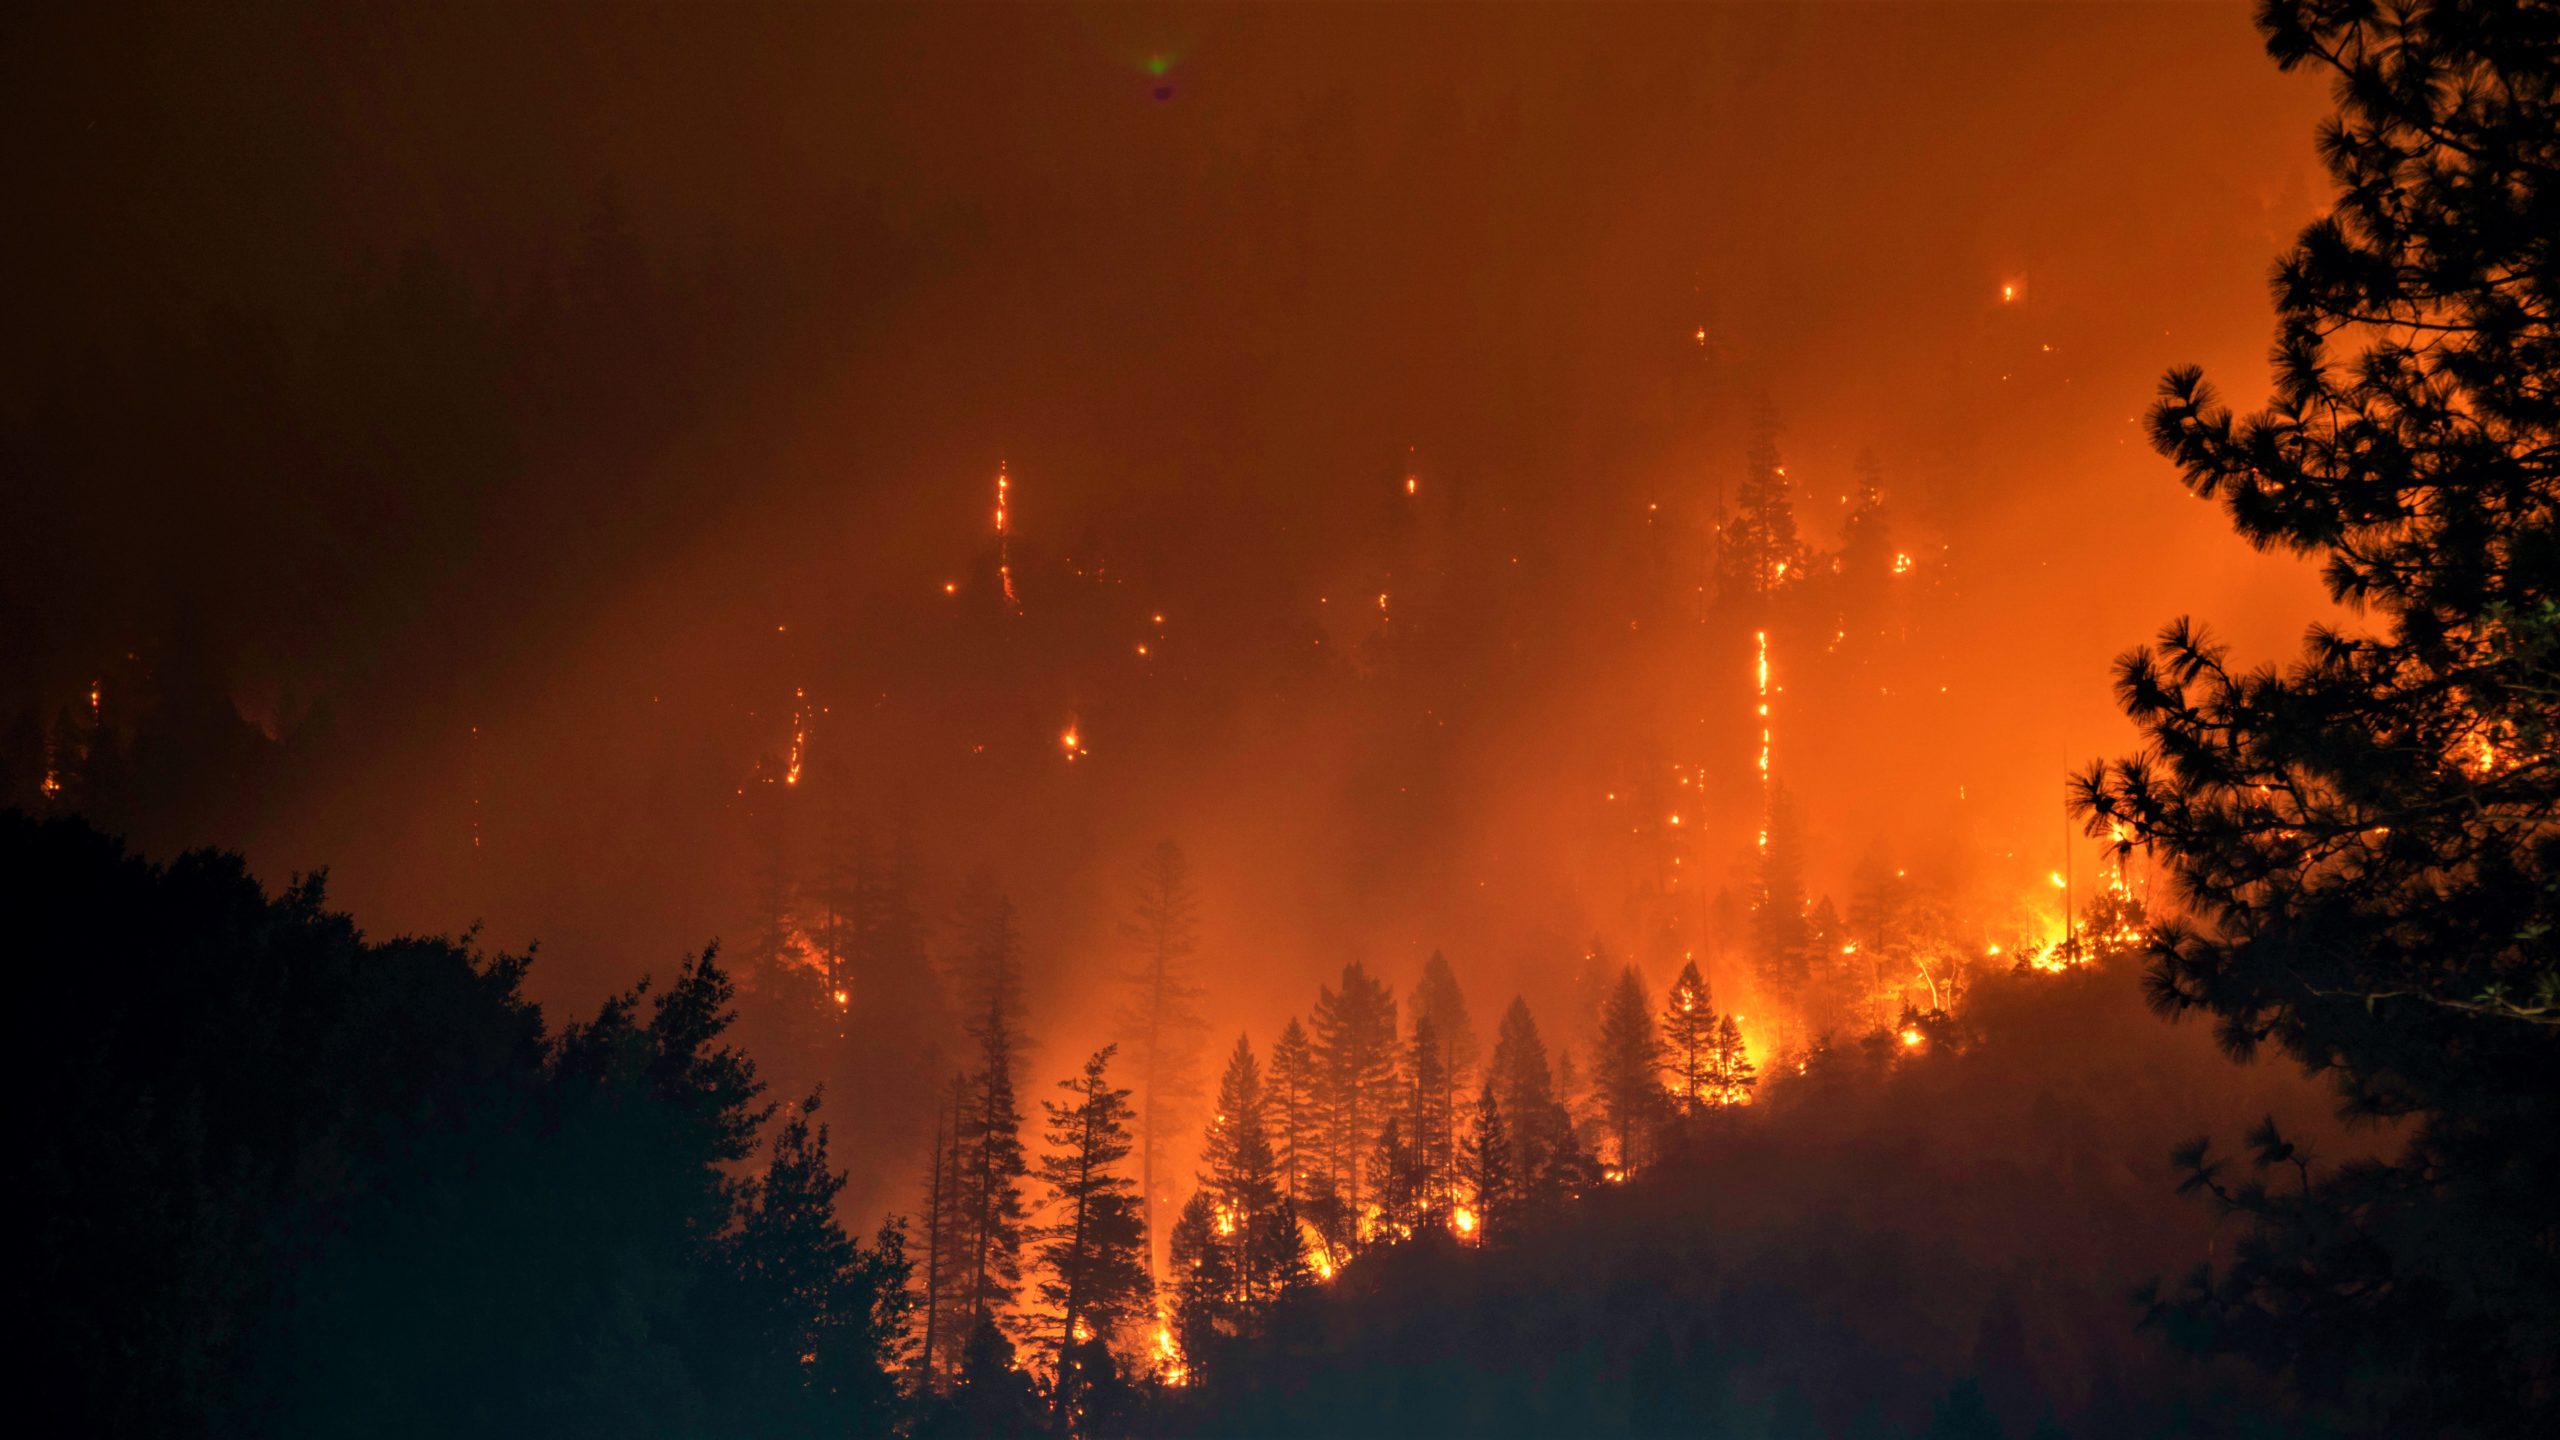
[
  {"x": 1910, "y": 1038},
  {"x": 950, "y": 587},
  {"x": 799, "y": 739},
  {"x": 2008, "y": 293},
  {"x": 843, "y": 999},
  {"x": 1071, "y": 741},
  {"x": 2058, "y": 882},
  {"x": 1463, "y": 1220},
  {"x": 1411, "y": 484},
  {"x": 1901, "y": 564},
  {"x": 1169, "y": 1366}
]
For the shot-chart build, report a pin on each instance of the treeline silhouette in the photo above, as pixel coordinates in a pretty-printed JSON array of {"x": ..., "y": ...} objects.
[{"x": 287, "y": 1180}]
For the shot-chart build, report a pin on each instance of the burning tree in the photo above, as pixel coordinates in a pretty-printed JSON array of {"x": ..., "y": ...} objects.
[
  {"x": 2365, "y": 841},
  {"x": 1689, "y": 1035},
  {"x": 1254, "y": 1222}
]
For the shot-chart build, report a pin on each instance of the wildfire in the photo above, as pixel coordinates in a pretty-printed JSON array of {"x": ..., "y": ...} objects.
[
  {"x": 842, "y": 998},
  {"x": 1463, "y": 1220},
  {"x": 1911, "y": 1038},
  {"x": 1901, "y": 564},
  {"x": 799, "y": 739},
  {"x": 1169, "y": 1366},
  {"x": 1004, "y": 535},
  {"x": 1072, "y": 742}
]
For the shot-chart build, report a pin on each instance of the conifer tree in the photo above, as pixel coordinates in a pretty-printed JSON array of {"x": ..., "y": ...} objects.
[
  {"x": 1758, "y": 551},
  {"x": 1161, "y": 1017},
  {"x": 1729, "y": 1074},
  {"x": 989, "y": 1131},
  {"x": 1297, "y": 1120},
  {"x": 1094, "y": 1248},
  {"x": 1429, "y": 1121},
  {"x": 1256, "y": 1224},
  {"x": 1491, "y": 1170},
  {"x": 1522, "y": 1083},
  {"x": 945, "y": 1222},
  {"x": 1688, "y": 1033},
  {"x": 1356, "y": 1050},
  {"x": 1781, "y": 941},
  {"x": 2364, "y": 840},
  {"x": 1626, "y": 1070},
  {"x": 1203, "y": 1283},
  {"x": 1436, "y": 997}
]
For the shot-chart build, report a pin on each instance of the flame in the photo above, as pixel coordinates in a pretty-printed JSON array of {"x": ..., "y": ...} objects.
[
  {"x": 1463, "y": 1220},
  {"x": 799, "y": 739},
  {"x": 1911, "y": 1038},
  {"x": 1901, "y": 564},
  {"x": 1169, "y": 1366},
  {"x": 1072, "y": 742},
  {"x": 1004, "y": 535}
]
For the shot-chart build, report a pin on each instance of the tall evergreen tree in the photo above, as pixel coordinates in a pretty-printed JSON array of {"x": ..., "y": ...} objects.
[
  {"x": 1428, "y": 1122},
  {"x": 1436, "y": 996},
  {"x": 1688, "y": 1034},
  {"x": 1356, "y": 1050},
  {"x": 1297, "y": 1119},
  {"x": 1758, "y": 551},
  {"x": 1781, "y": 940},
  {"x": 1161, "y": 1016},
  {"x": 942, "y": 1227},
  {"x": 1627, "y": 1070},
  {"x": 2365, "y": 840},
  {"x": 1729, "y": 1074},
  {"x": 992, "y": 1160},
  {"x": 1256, "y": 1224},
  {"x": 1094, "y": 1250},
  {"x": 1490, "y": 1168}
]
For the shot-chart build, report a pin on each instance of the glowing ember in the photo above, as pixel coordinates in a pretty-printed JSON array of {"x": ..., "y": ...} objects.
[
  {"x": 1911, "y": 1038},
  {"x": 1072, "y": 741}
]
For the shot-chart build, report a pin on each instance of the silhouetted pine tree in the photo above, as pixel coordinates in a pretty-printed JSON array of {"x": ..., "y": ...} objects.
[
  {"x": 1781, "y": 941},
  {"x": 946, "y": 1220},
  {"x": 1356, "y": 1050},
  {"x": 1094, "y": 1250},
  {"x": 1729, "y": 1073},
  {"x": 1688, "y": 1036},
  {"x": 992, "y": 1161},
  {"x": 1428, "y": 1121},
  {"x": 1436, "y": 997},
  {"x": 1758, "y": 551},
  {"x": 1491, "y": 1170},
  {"x": 2365, "y": 840},
  {"x": 816, "y": 1323},
  {"x": 1523, "y": 1085},
  {"x": 1202, "y": 1272},
  {"x": 1257, "y": 1225},
  {"x": 1297, "y": 1119},
  {"x": 1627, "y": 1069},
  {"x": 1161, "y": 1017}
]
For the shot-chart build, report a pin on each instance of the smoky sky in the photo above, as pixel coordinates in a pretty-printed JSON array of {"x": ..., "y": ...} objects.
[{"x": 541, "y": 413}]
